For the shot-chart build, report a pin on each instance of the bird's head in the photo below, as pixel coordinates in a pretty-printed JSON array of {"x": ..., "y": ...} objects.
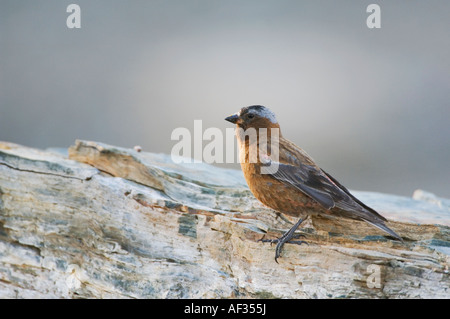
[{"x": 256, "y": 116}]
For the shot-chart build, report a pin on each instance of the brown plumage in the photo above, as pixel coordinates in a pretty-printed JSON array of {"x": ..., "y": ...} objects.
[{"x": 296, "y": 186}]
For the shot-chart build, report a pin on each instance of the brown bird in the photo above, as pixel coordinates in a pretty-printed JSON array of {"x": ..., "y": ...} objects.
[{"x": 292, "y": 183}]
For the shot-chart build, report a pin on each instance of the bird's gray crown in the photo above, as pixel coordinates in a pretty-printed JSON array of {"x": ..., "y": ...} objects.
[{"x": 261, "y": 111}]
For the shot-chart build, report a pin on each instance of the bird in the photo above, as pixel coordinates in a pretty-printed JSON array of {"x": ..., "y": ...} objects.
[{"x": 283, "y": 177}]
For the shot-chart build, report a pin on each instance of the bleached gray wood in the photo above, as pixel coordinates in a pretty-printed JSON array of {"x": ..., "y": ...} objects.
[{"x": 115, "y": 223}]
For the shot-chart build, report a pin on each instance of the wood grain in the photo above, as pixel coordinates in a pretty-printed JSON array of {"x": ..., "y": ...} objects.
[{"x": 109, "y": 222}]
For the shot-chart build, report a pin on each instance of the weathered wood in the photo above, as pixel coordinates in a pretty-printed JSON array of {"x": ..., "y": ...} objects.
[{"x": 109, "y": 222}]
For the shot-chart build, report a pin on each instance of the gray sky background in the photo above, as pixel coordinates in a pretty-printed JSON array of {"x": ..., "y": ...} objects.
[{"x": 371, "y": 106}]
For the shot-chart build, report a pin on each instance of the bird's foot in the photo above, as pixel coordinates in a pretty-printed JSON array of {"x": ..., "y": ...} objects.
[
  {"x": 286, "y": 238},
  {"x": 277, "y": 240},
  {"x": 281, "y": 241}
]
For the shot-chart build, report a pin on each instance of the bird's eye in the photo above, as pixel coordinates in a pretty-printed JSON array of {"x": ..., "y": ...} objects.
[{"x": 250, "y": 116}]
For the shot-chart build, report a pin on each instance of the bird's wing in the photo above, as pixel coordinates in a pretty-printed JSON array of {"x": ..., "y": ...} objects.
[
  {"x": 329, "y": 193},
  {"x": 308, "y": 180},
  {"x": 322, "y": 187},
  {"x": 296, "y": 168}
]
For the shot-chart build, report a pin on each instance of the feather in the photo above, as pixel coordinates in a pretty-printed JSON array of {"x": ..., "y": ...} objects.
[{"x": 328, "y": 192}]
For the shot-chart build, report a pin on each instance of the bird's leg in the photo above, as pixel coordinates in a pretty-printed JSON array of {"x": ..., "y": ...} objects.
[{"x": 286, "y": 238}]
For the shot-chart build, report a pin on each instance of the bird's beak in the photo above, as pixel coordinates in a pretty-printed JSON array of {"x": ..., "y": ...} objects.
[{"x": 232, "y": 118}]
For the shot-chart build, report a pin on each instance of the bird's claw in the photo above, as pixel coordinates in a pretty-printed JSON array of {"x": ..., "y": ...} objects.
[
  {"x": 286, "y": 238},
  {"x": 281, "y": 241}
]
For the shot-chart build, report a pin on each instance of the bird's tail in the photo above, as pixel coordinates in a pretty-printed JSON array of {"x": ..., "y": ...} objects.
[
  {"x": 381, "y": 225},
  {"x": 371, "y": 217},
  {"x": 355, "y": 209}
]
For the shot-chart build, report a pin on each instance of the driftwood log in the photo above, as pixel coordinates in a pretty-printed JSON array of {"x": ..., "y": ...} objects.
[{"x": 108, "y": 222}]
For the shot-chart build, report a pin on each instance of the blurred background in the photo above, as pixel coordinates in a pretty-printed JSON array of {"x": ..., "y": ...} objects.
[{"x": 371, "y": 106}]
